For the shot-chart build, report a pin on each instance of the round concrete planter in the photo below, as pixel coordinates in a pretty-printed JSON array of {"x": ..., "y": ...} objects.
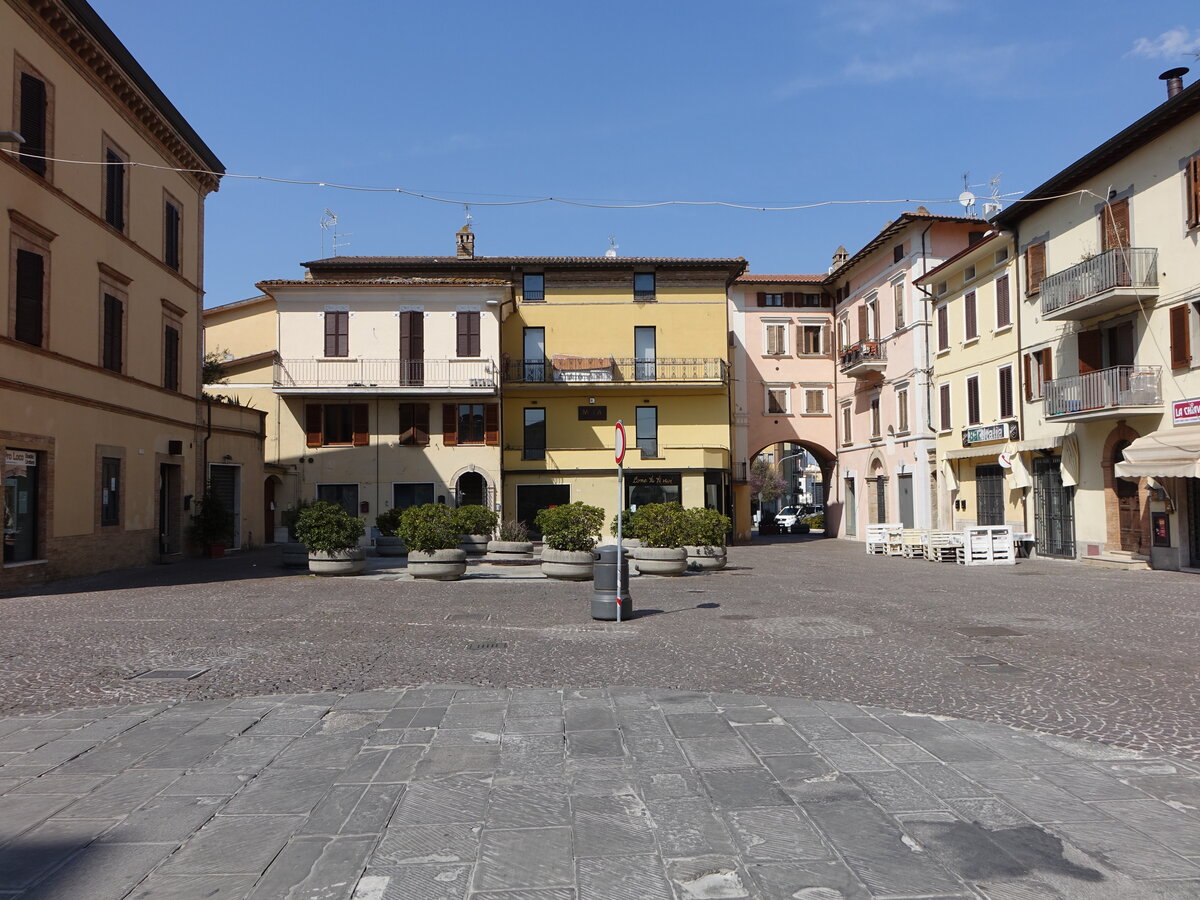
[
  {"x": 473, "y": 544},
  {"x": 510, "y": 553},
  {"x": 340, "y": 562},
  {"x": 295, "y": 555},
  {"x": 390, "y": 545},
  {"x": 437, "y": 565},
  {"x": 661, "y": 560},
  {"x": 705, "y": 558},
  {"x": 568, "y": 565}
]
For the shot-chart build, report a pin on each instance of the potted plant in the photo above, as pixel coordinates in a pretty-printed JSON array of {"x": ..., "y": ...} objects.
[
  {"x": 212, "y": 524},
  {"x": 432, "y": 534},
  {"x": 295, "y": 554},
  {"x": 569, "y": 533},
  {"x": 476, "y": 524},
  {"x": 662, "y": 529},
  {"x": 331, "y": 535},
  {"x": 513, "y": 546},
  {"x": 706, "y": 530},
  {"x": 628, "y": 538},
  {"x": 388, "y": 544}
]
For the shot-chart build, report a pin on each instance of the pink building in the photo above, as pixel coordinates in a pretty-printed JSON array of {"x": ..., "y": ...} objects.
[{"x": 885, "y": 437}]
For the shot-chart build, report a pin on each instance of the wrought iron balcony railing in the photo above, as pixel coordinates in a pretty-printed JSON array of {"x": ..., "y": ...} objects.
[
  {"x": 870, "y": 352},
  {"x": 364, "y": 374},
  {"x": 1121, "y": 267},
  {"x": 611, "y": 370},
  {"x": 1105, "y": 389}
]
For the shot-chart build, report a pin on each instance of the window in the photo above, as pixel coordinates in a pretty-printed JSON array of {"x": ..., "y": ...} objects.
[
  {"x": 35, "y": 100},
  {"x": 775, "y": 338},
  {"x": 533, "y": 286},
  {"x": 1192, "y": 186},
  {"x": 646, "y": 430},
  {"x": 970, "y": 316},
  {"x": 470, "y": 423},
  {"x": 172, "y": 236},
  {"x": 1039, "y": 368},
  {"x": 812, "y": 340},
  {"x": 468, "y": 333},
  {"x": 770, "y": 299},
  {"x": 876, "y": 425},
  {"x": 411, "y": 493},
  {"x": 112, "y": 343},
  {"x": 897, "y": 253},
  {"x": 1181, "y": 351},
  {"x": 939, "y": 288},
  {"x": 847, "y": 419},
  {"x": 343, "y": 495},
  {"x": 1003, "y": 311},
  {"x": 115, "y": 194},
  {"x": 337, "y": 332},
  {"x": 968, "y": 274},
  {"x": 110, "y": 491},
  {"x": 943, "y": 327},
  {"x": 973, "y": 414},
  {"x": 1005, "y": 377},
  {"x": 898, "y": 303},
  {"x": 944, "y": 422},
  {"x": 643, "y": 286},
  {"x": 871, "y": 332},
  {"x": 843, "y": 332},
  {"x": 645, "y": 352},
  {"x": 30, "y": 309},
  {"x": 902, "y": 409},
  {"x": 1035, "y": 268},
  {"x": 535, "y": 433},
  {"x": 814, "y": 401},
  {"x": 810, "y": 300},
  {"x": 337, "y": 424},
  {"x": 778, "y": 399},
  {"x": 171, "y": 356},
  {"x": 1001, "y": 255},
  {"x": 414, "y": 424}
]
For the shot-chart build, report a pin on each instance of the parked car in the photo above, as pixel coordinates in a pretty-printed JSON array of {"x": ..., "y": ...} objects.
[{"x": 788, "y": 516}]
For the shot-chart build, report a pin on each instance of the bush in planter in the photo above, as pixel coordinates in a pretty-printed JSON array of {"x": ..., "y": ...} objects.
[
  {"x": 816, "y": 520},
  {"x": 289, "y": 516},
  {"x": 212, "y": 523},
  {"x": 662, "y": 525},
  {"x": 571, "y": 526},
  {"x": 513, "y": 531},
  {"x": 476, "y": 520},
  {"x": 388, "y": 521},
  {"x": 706, "y": 528},
  {"x": 430, "y": 527},
  {"x": 628, "y": 517},
  {"x": 327, "y": 528}
]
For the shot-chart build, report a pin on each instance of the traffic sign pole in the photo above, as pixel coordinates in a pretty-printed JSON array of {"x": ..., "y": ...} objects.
[{"x": 620, "y": 455}]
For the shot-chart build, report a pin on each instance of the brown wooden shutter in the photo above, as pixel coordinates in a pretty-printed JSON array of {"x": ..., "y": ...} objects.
[
  {"x": 30, "y": 311},
  {"x": 1035, "y": 268},
  {"x": 491, "y": 424},
  {"x": 33, "y": 123},
  {"x": 171, "y": 242},
  {"x": 412, "y": 335},
  {"x": 862, "y": 321},
  {"x": 1181, "y": 353},
  {"x": 420, "y": 424},
  {"x": 314, "y": 417},
  {"x": 405, "y": 427},
  {"x": 467, "y": 333},
  {"x": 449, "y": 424},
  {"x": 1193, "y": 191},
  {"x": 1047, "y": 365},
  {"x": 762, "y": 298},
  {"x": 943, "y": 325},
  {"x": 1114, "y": 219},
  {"x": 1028, "y": 364},
  {"x": 362, "y": 428},
  {"x": 171, "y": 358},
  {"x": 1003, "y": 311},
  {"x": 789, "y": 299},
  {"x": 1091, "y": 351},
  {"x": 944, "y": 402},
  {"x": 970, "y": 314},
  {"x": 1006, "y": 392}
]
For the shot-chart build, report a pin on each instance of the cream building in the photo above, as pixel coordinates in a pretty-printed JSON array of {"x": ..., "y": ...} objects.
[{"x": 103, "y": 435}]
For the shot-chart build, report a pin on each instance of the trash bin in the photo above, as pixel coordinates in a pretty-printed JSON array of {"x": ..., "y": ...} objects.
[{"x": 604, "y": 597}]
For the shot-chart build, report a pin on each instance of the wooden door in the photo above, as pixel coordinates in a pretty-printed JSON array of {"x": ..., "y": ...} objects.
[{"x": 1129, "y": 507}]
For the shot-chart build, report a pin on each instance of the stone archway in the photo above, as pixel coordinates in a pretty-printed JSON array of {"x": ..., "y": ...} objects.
[{"x": 1127, "y": 521}]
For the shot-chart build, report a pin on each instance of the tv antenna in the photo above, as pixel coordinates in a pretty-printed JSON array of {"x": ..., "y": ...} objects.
[
  {"x": 993, "y": 204},
  {"x": 329, "y": 223},
  {"x": 611, "y": 252}
]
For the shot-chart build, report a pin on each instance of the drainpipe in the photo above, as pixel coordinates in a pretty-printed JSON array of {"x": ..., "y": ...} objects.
[
  {"x": 1018, "y": 375},
  {"x": 928, "y": 325},
  {"x": 204, "y": 450}
]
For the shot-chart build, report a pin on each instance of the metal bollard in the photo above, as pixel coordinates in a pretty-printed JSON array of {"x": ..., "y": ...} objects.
[{"x": 604, "y": 597}]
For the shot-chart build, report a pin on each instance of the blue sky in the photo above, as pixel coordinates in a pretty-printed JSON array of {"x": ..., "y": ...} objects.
[{"x": 764, "y": 102}]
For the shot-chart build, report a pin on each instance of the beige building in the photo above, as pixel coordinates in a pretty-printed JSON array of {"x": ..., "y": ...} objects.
[{"x": 103, "y": 435}]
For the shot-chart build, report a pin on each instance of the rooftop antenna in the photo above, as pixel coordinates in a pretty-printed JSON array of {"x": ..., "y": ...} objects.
[
  {"x": 966, "y": 198},
  {"x": 467, "y": 214},
  {"x": 611, "y": 252},
  {"x": 994, "y": 204},
  {"x": 329, "y": 223}
]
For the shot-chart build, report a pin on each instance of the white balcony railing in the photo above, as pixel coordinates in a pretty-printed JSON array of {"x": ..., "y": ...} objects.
[
  {"x": 1133, "y": 268},
  {"x": 1120, "y": 387},
  {"x": 364, "y": 374}
]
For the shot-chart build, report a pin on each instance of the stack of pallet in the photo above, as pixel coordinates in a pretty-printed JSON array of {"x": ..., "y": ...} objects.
[
  {"x": 883, "y": 539},
  {"x": 987, "y": 545},
  {"x": 943, "y": 546},
  {"x": 913, "y": 542}
]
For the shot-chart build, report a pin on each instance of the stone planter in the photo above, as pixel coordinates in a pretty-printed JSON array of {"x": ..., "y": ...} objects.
[
  {"x": 340, "y": 562},
  {"x": 473, "y": 544},
  {"x": 437, "y": 565},
  {"x": 390, "y": 545},
  {"x": 295, "y": 555},
  {"x": 705, "y": 558},
  {"x": 510, "y": 553},
  {"x": 568, "y": 565},
  {"x": 661, "y": 560}
]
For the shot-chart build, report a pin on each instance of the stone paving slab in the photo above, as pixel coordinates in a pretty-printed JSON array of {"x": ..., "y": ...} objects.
[{"x": 327, "y": 802}]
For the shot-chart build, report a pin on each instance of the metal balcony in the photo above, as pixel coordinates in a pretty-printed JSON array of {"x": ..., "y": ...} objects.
[
  {"x": 1106, "y": 282},
  {"x": 611, "y": 370},
  {"x": 385, "y": 376},
  {"x": 1121, "y": 390},
  {"x": 863, "y": 359}
]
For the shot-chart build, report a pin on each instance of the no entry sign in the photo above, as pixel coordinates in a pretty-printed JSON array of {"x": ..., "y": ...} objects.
[{"x": 620, "y": 442}]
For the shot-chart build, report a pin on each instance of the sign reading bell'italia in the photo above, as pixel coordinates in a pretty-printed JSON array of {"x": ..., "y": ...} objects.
[{"x": 986, "y": 434}]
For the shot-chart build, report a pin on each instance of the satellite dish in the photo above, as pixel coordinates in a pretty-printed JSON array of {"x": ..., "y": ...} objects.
[
  {"x": 1005, "y": 460},
  {"x": 967, "y": 199}
]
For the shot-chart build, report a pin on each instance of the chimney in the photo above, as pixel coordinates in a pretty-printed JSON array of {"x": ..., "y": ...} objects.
[
  {"x": 840, "y": 255},
  {"x": 1174, "y": 80},
  {"x": 465, "y": 242}
]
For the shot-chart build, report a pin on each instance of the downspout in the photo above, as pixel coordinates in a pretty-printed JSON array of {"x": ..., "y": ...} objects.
[
  {"x": 204, "y": 449},
  {"x": 928, "y": 370},
  {"x": 1017, "y": 294}
]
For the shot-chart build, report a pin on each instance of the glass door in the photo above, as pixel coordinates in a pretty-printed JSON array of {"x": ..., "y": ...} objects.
[
  {"x": 534, "y": 352},
  {"x": 645, "y": 342},
  {"x": 20, "y": 505}
]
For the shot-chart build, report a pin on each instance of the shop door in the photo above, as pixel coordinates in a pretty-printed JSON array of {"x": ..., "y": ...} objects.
[
  {"x": 904, "y": 484},
  {"x": 170, "y": 508},
  {"x": 989, "y": 495},
  {"x": 226, "y": 484},
  {"x": 1054, "y": 509},
  {"x": 1194, "y": 520},
  {"x": 20, "y": 505},
  {"x": 1129, "y": 506},
  {"x": 533, "y": 498}
]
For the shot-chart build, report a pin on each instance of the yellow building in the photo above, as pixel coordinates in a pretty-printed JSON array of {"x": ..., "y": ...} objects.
[
  {"x": 590, "y": 341},
  {"x": 103, "y": 435},
  {"x": 976, "y": 385}
]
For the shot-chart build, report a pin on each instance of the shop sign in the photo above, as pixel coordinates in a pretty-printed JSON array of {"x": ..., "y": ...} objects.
[
  {"x": 1186, "y": 412},
  {"x": 19, "y": 459},
  {"x": 658, "y": 478},
  {"x": 986, "y": 434}
]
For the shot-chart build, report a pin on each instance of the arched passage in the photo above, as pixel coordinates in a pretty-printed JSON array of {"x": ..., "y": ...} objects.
[{"x": 789, "y": 473}]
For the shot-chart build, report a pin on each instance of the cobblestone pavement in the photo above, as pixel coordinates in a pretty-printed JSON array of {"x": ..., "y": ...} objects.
[
  {"x": 446, "y": 792},
  {"x": 1099, "y": 654}
]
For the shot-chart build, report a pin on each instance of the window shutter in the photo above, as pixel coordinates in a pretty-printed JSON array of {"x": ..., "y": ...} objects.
[
  {"x": 1035, "y": 268},
  {"x": 973, "y": 401},
  {"x": 420, "y": 424},
  {"x": 1091, "y": 351},
  {"x": 114, "y": 182},
  {"x": 789, "y": 299},
  {"x": 1114, "y": 219},
  {"x": 467, "y": 334},
  {"x": 943, "y": 324},
  {"x": 862, "y": 322},
  {"x": 362, "y": 428},
  {"x": 405, "y": 428},
  {"x": 944, "y": 401},
  {"x": 171, "y": 235},
  {"x": 33, "y": 123},
  {"x": 112, "y": 333},
  {"x": 1181, "y": 355},
  {"x": 449, "y": 424},
  {"x": 762, "y": 298},
  {"x": 1047, "y": 365},
  {"x": 171, "y": 358},
  {"x": 491, "y": 424},
  {"x": 969, "y": 313},
  {"x": 1003, "y": 312},
  {"x": 1027, "y": 360},
  {"x": 29, "y": 312},
  {"x": 314, "y": 416},
  {"x": 1006, "y": 392},
  {"x": 1193, "y": 191}
]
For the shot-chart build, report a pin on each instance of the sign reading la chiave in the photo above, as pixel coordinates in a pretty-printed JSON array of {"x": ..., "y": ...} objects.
[{"x": 1186, "y": 412}]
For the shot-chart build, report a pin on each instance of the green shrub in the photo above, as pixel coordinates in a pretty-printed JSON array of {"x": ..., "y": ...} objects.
[
  {"x": 627, "y": 519},
  {"x": 327, "y": 528},
  {"x": 660, "y": 525},
  {"x": 513, "y": 530},
  {"x": 212, "y": 523},
  {"x": 388, "y": 521},
  {"x": 433, "y": 526},
  {"x": 473, "y": 519},
  {"x": 706, "y": 527},
  {"x": 816, "y": 520},
  {"x": 289, "y": 516},
  {"x": 572, "y": 526}
]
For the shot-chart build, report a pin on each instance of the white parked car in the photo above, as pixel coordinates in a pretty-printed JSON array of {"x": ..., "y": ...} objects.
[{"x": 788, "y": 516}]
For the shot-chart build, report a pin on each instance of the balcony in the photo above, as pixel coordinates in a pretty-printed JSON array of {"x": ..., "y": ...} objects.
[
  {"x": 1121, "y": 390},
  {"x": 1108, "y": 281},
  {"x": 863, "y": 359},
  {"x": 385, "y": 376},
  {"x": 611, "y": 370}
]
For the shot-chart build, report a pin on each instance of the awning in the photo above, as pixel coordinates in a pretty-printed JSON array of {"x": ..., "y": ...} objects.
[
  {"x": 1167, "y": 453},
  {"x": 1020, "y": 474},
  {"x": 948, "y": 475},
  {"x": 1070, "y": 461}
]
